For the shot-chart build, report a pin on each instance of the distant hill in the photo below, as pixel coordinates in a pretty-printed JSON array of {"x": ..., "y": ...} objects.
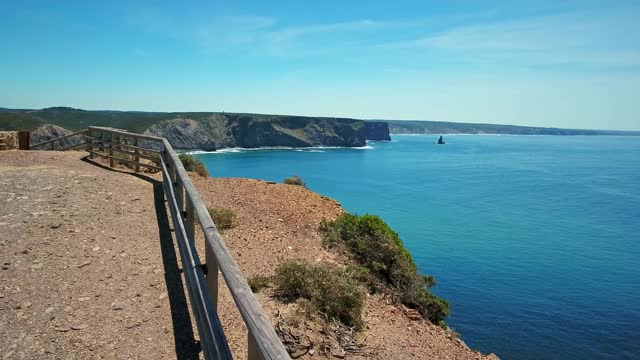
[
  {"x": 443, "y": 127},
  {"x": 77, "y": 119}
]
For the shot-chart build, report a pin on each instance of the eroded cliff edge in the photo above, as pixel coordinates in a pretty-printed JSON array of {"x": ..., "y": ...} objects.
[
  {"x": 278, "y": 222},
  {"x": 201, "y": 130},
  {"x": 377, "y": 130},
  {"x": 250, "y": 131}
]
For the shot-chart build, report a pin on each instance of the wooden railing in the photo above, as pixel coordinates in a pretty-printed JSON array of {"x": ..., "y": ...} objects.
[
  {"x": 186, "y": 209},
  {"x": 52, "y": 143}
]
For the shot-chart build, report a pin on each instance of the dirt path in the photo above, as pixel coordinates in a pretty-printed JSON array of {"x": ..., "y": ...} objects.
[{"x": 87, "y": 270}]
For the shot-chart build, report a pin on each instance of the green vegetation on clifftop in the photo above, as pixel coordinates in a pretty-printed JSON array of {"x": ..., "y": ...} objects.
[
  {"x": 333, "y": 291},
  {"x": 379, "y": 249},
  {"x": 191, "y": 163}
]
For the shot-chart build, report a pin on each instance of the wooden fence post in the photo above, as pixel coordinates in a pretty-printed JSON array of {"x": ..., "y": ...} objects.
[
  {"x": 111, "y": 162},
  {"x": 252, "y": 348},
  {"x": 212, "y": 274},
  {"x": 102, "y": 147},
  {"x": 23, "y": 140},
  {"x": 137, "y": 158},
  {"x": 180, "y": 194},
  {"x": 190, "y": 221},
  {"x": 92, "y": 135}
]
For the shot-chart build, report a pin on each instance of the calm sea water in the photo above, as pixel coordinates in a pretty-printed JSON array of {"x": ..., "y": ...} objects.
[{"x": 534, "y": 240}]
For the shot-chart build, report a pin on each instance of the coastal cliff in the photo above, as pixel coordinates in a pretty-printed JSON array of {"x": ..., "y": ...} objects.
[
  {"x": 288, "y": 227},
  {"x": 213, "y": 130},
  {"x": 196, "y": 130},
  {"x": 250, "y": 131},
  {"x": 377, "y": 130}
]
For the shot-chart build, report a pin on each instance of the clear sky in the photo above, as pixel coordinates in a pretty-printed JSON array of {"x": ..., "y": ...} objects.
[{"x": 543, "y": 63}]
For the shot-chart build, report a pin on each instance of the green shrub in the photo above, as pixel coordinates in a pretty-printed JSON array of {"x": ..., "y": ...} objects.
[
  {"x": 332, "y": 291},
  {"x": 223, "y": 218},
  {"x": 191, "y": 163},
  {"x": 295, "y": 180},
  {"x": 258, "y": 282},
  {"x": 379, "y": 249}
]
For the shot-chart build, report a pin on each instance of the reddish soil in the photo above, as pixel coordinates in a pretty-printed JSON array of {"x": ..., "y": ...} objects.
[
  {"x": 277, "y": 222},
  {"x": 89, "y": 267}
]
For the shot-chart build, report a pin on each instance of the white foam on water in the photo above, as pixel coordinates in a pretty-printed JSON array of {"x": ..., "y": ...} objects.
[{"x": 271, "y": 148}]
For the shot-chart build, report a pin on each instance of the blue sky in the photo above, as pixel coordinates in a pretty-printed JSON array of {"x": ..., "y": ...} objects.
[{"x": 542, "y": 63}]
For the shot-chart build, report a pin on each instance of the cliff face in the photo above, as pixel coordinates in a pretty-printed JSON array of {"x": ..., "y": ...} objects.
[
  {"x": 251, "y": 131},
  {"x": 377, "y": 130}
]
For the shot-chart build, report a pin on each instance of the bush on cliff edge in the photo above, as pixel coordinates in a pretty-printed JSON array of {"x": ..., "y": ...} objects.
[
  {"x": 295, "y": 180},
  {"x": 333, "y": 291},
  {"x": 190, "y": 163},
  {"x": 379, "y": 249}
]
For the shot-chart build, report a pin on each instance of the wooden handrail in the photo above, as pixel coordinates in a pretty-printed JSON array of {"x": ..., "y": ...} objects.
[
  {"x": 212, "y": 338},
  {"x": 261, "y": 332},
  {"x": 127, "y": 134},
  {"x": 186, "y": 208},
  {"x": 60, "y": 138}
]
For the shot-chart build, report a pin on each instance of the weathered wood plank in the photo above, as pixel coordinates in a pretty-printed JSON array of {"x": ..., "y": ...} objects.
[
  {"x": 137, "y": 151},
  {"x": 116, "y": 149},
  {"x": 212, "y": 275},
  {"x": 127, "y": 146},
  {"x": 263, "y": 342},
  {"x": 76, "y": 146},
  {"x": 92, "y": 141},
  {"x": 60, "y": 138},
  {"x": 252, "y": 348},
  {"x": 126, "y": 133},
  {"x": 212, "y": 338},
  {"x": 111, "y": 157},
  {"x": 267, "y": 342},
  {"x": 106, "y": 156},
  {"x": 190, "y": 221}
]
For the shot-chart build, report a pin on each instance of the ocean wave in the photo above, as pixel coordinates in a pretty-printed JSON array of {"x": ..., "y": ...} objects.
[{"x": 277, "y": 148}]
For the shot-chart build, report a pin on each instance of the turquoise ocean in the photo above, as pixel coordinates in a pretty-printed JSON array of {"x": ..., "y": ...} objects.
[{"x": 534, "y": 240}]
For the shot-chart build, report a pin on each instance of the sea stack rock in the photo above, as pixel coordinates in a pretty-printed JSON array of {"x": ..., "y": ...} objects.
[{"x": 377, "y": 130}]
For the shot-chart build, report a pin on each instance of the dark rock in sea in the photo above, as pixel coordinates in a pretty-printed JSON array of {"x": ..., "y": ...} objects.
[{"x": 377, "y": 130}]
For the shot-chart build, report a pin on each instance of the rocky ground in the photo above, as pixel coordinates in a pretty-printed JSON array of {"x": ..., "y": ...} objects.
[
  {"x": 87, "y": 270},
  {"x": 277, "y": 222}
]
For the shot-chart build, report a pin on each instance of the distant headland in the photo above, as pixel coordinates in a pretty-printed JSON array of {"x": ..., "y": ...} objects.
[{"x": 444, "y": 127}]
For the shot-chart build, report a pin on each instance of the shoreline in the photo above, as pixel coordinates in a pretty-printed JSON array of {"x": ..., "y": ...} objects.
[{"x": 276, "y": 148}]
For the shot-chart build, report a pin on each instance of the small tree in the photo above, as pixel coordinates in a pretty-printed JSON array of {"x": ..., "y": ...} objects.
[{"x": 191, "y": 163}]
